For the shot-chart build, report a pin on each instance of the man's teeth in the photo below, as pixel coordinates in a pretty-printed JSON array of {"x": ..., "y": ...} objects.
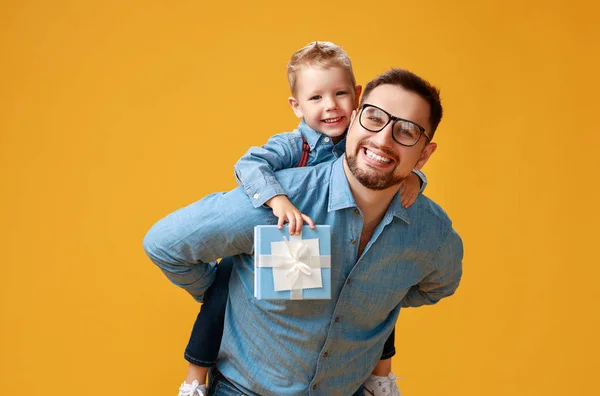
[
  {"x": 376, "y": 157},
  {"x": 332, "y": 120}
]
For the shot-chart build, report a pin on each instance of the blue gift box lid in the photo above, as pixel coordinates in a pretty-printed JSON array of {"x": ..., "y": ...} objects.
[{"x": 263, "y": 276}]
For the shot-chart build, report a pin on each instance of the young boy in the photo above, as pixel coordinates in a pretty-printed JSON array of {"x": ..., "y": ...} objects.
[{"x": 324, "y": 95}]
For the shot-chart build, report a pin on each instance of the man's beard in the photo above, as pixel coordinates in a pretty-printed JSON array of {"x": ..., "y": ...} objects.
[{"x": 372, "y": 180}]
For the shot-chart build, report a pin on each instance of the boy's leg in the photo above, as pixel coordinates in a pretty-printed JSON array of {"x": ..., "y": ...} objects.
[
  {"x": 203, "y": 347},
  {"x": 382, "y": 381},
  {"x": 384, "y": 366}
]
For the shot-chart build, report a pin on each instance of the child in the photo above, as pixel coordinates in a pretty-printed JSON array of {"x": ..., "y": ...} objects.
[{"x": 324, "y": 95}]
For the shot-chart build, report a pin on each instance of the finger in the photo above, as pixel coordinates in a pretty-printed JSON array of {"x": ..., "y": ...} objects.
[
  {"x": 405, "y": 199},
  {"x": 299, "y": 223},
  {"x": 411, "y": 200},
  {"x": 292, "y": 224},
  {"x": 309, "y": 221},
  {"x": 280, "y": 222}
]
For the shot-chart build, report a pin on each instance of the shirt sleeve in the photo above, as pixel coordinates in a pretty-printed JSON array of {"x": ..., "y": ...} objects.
[
  {"x": 255, "y": 171},
  {"x": 445, "y": 277},
  {"x": 423, "y": 178},
  {"x": 186, "y": 244}
]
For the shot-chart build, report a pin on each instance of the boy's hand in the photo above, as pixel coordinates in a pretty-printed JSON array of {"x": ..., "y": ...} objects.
[
  {"x": 411, "y": 186},
  {"x": 285, "y": 211}
]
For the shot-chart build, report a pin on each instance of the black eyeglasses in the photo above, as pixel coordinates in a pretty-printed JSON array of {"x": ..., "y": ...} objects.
[{"x": 405, "y": 132}]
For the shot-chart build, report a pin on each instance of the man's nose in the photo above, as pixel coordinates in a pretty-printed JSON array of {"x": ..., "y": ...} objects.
[{"x": 384, "y": 137}]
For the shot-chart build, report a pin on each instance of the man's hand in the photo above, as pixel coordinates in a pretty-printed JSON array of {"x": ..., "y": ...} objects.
[
  {"x": 411, "y": 186},
  {"x": 285, "y": 211}
]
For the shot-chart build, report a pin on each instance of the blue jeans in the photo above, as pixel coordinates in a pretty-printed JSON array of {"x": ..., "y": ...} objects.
[
  {"x": 205, "y": 339},
  {"x": 218, "y": 385}
]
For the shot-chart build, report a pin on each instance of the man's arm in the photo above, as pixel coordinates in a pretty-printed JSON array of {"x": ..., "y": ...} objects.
[
  {"x": 186, "y": 244},
  {"x": 445, "y": 277}
]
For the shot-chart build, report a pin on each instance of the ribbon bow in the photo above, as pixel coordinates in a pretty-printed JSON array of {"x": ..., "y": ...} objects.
[{"x": 300, "y": 261}]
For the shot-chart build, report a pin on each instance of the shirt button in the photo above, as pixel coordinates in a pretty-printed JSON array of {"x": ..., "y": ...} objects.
[
  {"x": 325, "y": 354},
  {"x": 352, "y": 241},
  {"x": 348, "y": 281},
  {"x": 356, "y": 212},
  {"x": 256, "y": 195},
  {"x": 314, "y": 387},
  {"x": 337, "y": 319},
  {"x": 326, "y": 139}
]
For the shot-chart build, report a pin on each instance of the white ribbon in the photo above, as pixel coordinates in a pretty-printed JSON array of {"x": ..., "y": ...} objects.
[{"x": 300, "y": 263}]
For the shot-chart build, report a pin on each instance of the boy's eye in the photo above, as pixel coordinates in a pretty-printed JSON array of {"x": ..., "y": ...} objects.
[
  {"x": 316, "y": 97},
  {"x": 340, "y": 93}
]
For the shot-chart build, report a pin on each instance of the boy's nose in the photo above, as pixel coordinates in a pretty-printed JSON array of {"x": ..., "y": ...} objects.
[{"x": 331, "y": 104}]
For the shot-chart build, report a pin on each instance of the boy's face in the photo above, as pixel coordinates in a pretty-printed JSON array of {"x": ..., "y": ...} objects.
[{"x": 325, "y": 99}]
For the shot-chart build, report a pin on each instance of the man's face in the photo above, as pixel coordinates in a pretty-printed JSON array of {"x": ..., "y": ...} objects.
[
  {"x": 376, "y": 160},
  {"x": 325, "y": 98}
]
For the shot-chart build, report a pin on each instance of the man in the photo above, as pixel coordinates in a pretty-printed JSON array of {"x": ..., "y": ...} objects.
[{"x": 384, "y": 256}]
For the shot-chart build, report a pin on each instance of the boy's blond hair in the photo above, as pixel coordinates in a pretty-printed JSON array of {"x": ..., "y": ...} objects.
[{"x": 320, "y": 53}]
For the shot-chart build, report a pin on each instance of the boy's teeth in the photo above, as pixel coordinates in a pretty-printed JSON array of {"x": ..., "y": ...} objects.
[
  {"x": 331, "y": 120},
  {"x": 376, "y": 157}
]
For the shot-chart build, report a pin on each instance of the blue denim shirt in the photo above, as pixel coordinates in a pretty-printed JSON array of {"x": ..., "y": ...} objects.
[
  {"x": 311, "y": 347},
  {"x": 255, "y": 171}
]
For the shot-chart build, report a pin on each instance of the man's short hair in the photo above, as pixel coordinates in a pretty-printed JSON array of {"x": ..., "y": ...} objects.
[
  {"x": 319, "y": 53},
  {"x": 413, "y": 83}
]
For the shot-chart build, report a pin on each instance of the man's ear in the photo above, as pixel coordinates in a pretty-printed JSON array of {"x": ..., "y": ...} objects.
[
  {"x": 295, "y": 107},
  {"x": 357, "y": 92},
  {"x": 425, "y": 154}
]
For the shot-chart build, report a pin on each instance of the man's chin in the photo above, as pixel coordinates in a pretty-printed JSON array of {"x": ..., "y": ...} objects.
[
  {"x": 377, "y": 183},
  {"x": 374, "y": 179}
]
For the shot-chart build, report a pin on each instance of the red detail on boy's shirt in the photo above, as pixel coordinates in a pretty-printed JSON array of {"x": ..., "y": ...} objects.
[{"x": 305, "y": 151}]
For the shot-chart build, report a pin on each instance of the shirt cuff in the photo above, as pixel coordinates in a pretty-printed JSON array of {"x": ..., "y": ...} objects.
[
  {"x": 258, "y": 196},
  {"x": 423, "y": 178}
]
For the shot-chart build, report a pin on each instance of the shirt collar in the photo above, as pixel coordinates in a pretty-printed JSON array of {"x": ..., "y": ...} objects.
[
  {"x": 340, "y": 196},
  {"x": 312, "y": 137}
]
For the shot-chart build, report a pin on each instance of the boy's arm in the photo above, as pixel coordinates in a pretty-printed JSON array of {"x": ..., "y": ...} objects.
[
  {"x": 255, "y": 171},
  {"x": 422, "y": 180},
  {"x": 411, "y": 186},
  {"x": 445, "y": 277}
]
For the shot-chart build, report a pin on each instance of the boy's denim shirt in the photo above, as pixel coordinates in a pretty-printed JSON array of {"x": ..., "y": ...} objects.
[
  {"x": 255, "y": 171},
  {"x": 311, "y": 347}
]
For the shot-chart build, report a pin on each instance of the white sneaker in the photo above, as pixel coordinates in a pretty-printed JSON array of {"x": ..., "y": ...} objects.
[
  {"x": 381, "y": 386},
  {"x": 195, "y": 389}
]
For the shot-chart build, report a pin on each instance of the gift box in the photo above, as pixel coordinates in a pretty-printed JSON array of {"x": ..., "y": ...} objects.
[{"x": 292, "y": 267}]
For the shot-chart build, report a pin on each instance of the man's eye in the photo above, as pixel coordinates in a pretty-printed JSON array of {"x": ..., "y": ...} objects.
[
  {"x": 316, "y": 97},
  {"x": 408, "y": 133},
  {"x": 376, "y": 120}
]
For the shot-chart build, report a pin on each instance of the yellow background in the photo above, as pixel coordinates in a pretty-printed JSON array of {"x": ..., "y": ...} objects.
[{"x": 115, "y": 113}]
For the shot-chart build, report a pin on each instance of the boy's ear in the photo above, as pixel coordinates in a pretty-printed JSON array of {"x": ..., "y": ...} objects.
[
  {"x": 357, "y": 92},
  {"x": 295, "y": 107},
  {"x": 425, "y": 154}
]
